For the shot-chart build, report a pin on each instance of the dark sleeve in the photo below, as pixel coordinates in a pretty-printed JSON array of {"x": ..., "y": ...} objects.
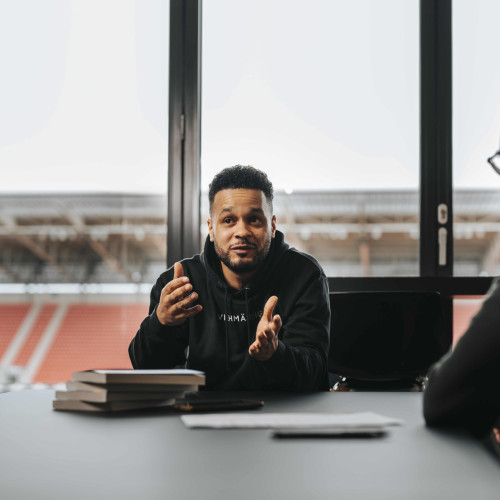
[
  {"x": 156, "y": 345},
  {"x": 463, "y": 387},
  {"x": 300, "y": 363}
]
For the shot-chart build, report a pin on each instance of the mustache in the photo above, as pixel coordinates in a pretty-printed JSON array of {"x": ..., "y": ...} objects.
[{"x": 243, "y": 242}]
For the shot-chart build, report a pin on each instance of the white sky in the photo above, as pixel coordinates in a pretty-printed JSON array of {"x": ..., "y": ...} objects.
[
  {"x": 320, "y": 94},
  {"x": 86, "y": 95}
]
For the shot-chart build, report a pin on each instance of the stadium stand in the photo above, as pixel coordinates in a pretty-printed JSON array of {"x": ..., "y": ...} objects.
[
  {"x": 464, "y": 310},
  {"x": 91, "y": 336},
  {"x": 64, "y": 335},
  {"x": 91, "y": 243},
  {"x": 34, "y": 336},
  {"x": 11, "y": 318},
  {"x": 95, "y": 335}
]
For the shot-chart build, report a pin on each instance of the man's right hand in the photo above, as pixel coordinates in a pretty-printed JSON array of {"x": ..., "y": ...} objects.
[{"x": 174, "y": 307}]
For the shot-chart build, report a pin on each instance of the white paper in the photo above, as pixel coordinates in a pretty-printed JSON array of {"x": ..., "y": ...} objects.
[{"x": 288, "y": 420}]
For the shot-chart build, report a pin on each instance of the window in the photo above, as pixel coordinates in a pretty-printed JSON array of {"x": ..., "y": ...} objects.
[
  {"x": 476, "y": 136},
  {"x": 83, "y": 149},
  {"x": 323, "y": 96}
]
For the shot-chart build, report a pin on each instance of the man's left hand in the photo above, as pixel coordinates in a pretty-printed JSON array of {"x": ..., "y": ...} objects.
[{"x": 266, "y": 338}]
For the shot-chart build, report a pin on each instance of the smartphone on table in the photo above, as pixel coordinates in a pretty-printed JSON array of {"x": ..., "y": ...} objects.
[{"x": 217, "y": 404}]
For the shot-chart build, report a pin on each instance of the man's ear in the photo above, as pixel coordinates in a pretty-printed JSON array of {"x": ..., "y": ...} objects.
[
  {"x": 273, "y": 226},
  {"x": 210, "y": 229}
]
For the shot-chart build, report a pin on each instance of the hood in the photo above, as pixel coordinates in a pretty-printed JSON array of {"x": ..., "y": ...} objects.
[{"x": 214, "y": 270}]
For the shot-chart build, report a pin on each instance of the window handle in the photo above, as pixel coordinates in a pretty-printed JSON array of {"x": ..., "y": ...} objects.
[
  {"x": 442, "y": 213},
  {"x": 442, "y": 237}
]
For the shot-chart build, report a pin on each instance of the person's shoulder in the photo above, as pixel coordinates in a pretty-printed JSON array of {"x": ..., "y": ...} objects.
[
  {"x": 193, "y": 267},
  {"x": 301, "y": 261},
  {"x": 299, "y": 257},
  {"x": 495, "y": 286},
  {"x": 193, "y": 263},
  {"x": 492, "y": 296},
  {"x": 298, "y": 274}
]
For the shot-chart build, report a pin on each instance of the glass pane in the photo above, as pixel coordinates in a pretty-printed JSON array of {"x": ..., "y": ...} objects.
[
  {"x": 476, "y": 134},
  {"x": 323, "y": 96},
  {"x": 83, "y": 149}
]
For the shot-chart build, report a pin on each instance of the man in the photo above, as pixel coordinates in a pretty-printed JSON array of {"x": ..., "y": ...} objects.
[
  {"x": 249, "y": 311},
  {"x": 464, "y": 386}
]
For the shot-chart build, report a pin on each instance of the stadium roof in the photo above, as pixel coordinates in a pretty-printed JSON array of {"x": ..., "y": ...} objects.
[{"x": 121, "y": 238}]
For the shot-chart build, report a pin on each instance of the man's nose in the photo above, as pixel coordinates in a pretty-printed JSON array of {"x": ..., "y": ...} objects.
[{"x": 242, "y": 229}]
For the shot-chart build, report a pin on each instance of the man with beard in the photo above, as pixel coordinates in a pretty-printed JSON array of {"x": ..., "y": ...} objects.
[{"x": 249, "y": 311}]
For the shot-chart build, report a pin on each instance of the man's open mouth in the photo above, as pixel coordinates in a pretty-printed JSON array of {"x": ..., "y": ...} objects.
[{"x": 242, "y": 248}]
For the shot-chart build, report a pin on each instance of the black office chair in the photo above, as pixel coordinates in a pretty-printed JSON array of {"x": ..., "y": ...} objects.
[{"x": 384, "y": 340}]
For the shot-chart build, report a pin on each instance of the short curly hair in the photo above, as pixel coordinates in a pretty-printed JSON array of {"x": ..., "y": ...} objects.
[{"x": 241, "y": 177}]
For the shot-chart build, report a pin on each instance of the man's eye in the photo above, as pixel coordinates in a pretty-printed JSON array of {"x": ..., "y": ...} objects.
[{"x": 227, "y": 220}]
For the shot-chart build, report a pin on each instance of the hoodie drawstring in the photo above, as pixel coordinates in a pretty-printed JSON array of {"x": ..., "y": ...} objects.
[{"x": 249, "y": 334}]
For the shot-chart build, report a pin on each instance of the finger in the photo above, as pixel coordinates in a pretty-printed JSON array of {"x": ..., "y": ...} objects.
[
  {"x": 277, "y": 324},
  {"x": 264, "y": 338},
  {"x": 178, "y": 270},
  {"x": 190, "y": 311},
  {"x": 173, "y": 285},
  {"x": 253, "y": 349},
  {"x": 187, "y": 301},
  {"x": 177, "y": 294},
  {"x": 271, "y": 332},
  {"x": 255, "y": 345},
  {"x": 496, "y": 432},
  {"x": 269, "y": 308}
]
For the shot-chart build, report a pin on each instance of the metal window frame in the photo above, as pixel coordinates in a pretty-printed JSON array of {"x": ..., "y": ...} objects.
[
  {"x": 183, "y": 193},
  {"x": 436, "y": 186}
]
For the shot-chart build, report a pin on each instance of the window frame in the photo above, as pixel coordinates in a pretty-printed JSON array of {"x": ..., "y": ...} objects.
[{"x": 435, "y": 153}]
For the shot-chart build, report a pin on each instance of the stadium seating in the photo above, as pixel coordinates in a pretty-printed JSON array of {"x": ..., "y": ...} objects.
[
  {"x": 464, "y": 310},
  {"x": 45, "y": 341},
  {"x": 11, "y": 317},
  {"x": 62, "y": 338}
]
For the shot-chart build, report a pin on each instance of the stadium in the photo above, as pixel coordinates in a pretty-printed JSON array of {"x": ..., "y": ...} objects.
[{"x": 76, "y": 269}]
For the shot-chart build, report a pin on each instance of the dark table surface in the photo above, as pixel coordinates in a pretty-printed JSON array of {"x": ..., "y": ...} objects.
[{"x": 145, "y": 455}]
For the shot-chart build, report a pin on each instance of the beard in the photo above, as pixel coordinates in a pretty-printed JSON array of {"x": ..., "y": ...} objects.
[{"x": 238, "y": 265}]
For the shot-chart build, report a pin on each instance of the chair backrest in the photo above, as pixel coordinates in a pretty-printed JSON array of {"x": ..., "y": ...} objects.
[{"x": 385, "y": 336}]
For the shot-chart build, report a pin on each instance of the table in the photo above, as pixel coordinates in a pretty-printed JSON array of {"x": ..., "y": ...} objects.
[{"x": 52, "y": 455}]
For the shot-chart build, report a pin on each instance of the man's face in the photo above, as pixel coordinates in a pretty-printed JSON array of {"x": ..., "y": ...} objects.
[{"x": 241, "y": 228}]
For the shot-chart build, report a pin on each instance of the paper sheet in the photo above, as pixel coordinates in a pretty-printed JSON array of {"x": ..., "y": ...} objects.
[{"x": 288, "y": 420}]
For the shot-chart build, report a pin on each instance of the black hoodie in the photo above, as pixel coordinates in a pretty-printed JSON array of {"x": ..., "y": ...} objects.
[{"x": 216, "y": 340}]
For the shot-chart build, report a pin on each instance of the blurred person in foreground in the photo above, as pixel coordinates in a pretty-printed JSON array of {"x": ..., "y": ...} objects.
[
  {"x": 249, "y": 311},
  {"x": 463, "y": 388}
]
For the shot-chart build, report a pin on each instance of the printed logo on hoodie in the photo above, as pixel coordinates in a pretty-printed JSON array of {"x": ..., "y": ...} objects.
[{"x": 231, "y": 318}]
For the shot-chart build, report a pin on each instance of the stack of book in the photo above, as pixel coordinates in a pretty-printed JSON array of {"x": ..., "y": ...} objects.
[{"x": 118, "y": 390}]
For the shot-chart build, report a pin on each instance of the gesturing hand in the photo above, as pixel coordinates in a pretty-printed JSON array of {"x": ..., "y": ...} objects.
[
  {"x": 496, "y": 433},
  {"x": 266, "y": 338},
  {"x": 173, "y": 308}
]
